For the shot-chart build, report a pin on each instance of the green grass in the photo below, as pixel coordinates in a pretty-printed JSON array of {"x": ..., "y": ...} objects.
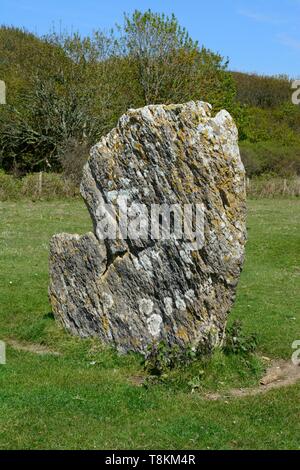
[{"x": 84, "y": 398}]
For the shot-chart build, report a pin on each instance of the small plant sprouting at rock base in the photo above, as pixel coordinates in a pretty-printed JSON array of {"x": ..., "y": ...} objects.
[
  {"x": 237, "y": 342},
  {"x": 161, "y": 359}
]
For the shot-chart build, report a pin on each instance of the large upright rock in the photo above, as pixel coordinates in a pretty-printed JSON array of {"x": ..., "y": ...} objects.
[{"x": 132, "y": 291}]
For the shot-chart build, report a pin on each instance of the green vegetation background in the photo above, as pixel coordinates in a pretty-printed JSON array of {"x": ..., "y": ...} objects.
[{"x": 64, "y": 91}]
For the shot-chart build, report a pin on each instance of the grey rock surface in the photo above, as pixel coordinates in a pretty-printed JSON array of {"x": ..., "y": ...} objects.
[{"x": 132, "y": 291}]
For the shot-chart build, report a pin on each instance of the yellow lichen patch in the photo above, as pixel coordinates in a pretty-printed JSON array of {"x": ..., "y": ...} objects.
[
  {"x": 135, "y": 342},
  {"x": 105, "y": 323},
  {"x": 139, "y": 148},
  {"x": 182, "y": 334}
]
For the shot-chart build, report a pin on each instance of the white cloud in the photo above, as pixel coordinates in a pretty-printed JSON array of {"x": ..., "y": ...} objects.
[
  {"x": 261, "y": 18},
  {"x": 289, "y": 41}
]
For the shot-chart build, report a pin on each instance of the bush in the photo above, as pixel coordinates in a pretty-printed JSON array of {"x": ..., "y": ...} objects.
[
  {"x": 10, "y": 187},
  {"x": 270, "y": 158},
  {"x": 269, "y": 186},
  {"x": 161, "y": 358},
  {"x": 34, "y": 139},
  {"x": 73, "y": 158},
  {"x": 262, "y": 91},
  {"x": 37, "y": 186},
  {"x": 47, "y": 186}
]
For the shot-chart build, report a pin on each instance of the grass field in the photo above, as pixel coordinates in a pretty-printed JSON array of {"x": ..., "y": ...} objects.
[{"x": 86, "y": 397}]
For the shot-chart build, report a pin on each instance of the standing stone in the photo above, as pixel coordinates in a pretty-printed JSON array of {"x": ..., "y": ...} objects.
[{"x": 132, "y": 291}]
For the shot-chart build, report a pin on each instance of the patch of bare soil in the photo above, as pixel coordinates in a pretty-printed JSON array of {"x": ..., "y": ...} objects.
[
  {"x": 280, "y": 374},
  {"x": 34, "y": 348},
  {"x": 137, "y": 380}
]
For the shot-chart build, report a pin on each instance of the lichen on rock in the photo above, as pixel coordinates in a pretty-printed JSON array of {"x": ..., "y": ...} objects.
[{"x": 128, "y": 290}]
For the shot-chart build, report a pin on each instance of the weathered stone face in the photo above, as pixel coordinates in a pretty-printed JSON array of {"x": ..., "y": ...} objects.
[{"x": 132, "y": 291}]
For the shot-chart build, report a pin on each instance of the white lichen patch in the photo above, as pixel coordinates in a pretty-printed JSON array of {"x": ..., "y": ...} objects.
[
  {"x": 168, "y": 305},
  {"x": 190, "y": 295},
  {"x": 146, "y": 307},
  {"x": 155, "y": 255},
  {"x": 145, "y": 262},
  {"x": 180, "y": 303},
  {"x": 188, "y": 274},
  {"x": 154, "y": 324},
  {"x": 125, "y": 181},
  {"x": 186, "y": 256},
  {"x": 146, "y": 191},
  {"x": 146, "y": 114},
  {"x": 107, "y": 300},
  {"x": 112, "y": 195},
  {"x": 136, "y": 263}
]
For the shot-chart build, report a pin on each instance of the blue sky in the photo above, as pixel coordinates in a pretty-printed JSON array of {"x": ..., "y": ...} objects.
[{"x": 260, "y": 36}]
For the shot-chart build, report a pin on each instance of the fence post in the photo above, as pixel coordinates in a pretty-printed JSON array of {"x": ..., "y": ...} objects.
[
  {"x": 284, "y": 186},
  {"x": 40, "y": 183},
  {"x": 2, "y": 92},
  {"x": 247, "y": 186},
  {"x": 2, "y": 352}
]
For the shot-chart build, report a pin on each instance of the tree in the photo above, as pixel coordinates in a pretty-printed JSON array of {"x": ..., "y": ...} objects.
[
  {"x": 168, "y": 66},
  {"x": 160, "y": 52}
]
